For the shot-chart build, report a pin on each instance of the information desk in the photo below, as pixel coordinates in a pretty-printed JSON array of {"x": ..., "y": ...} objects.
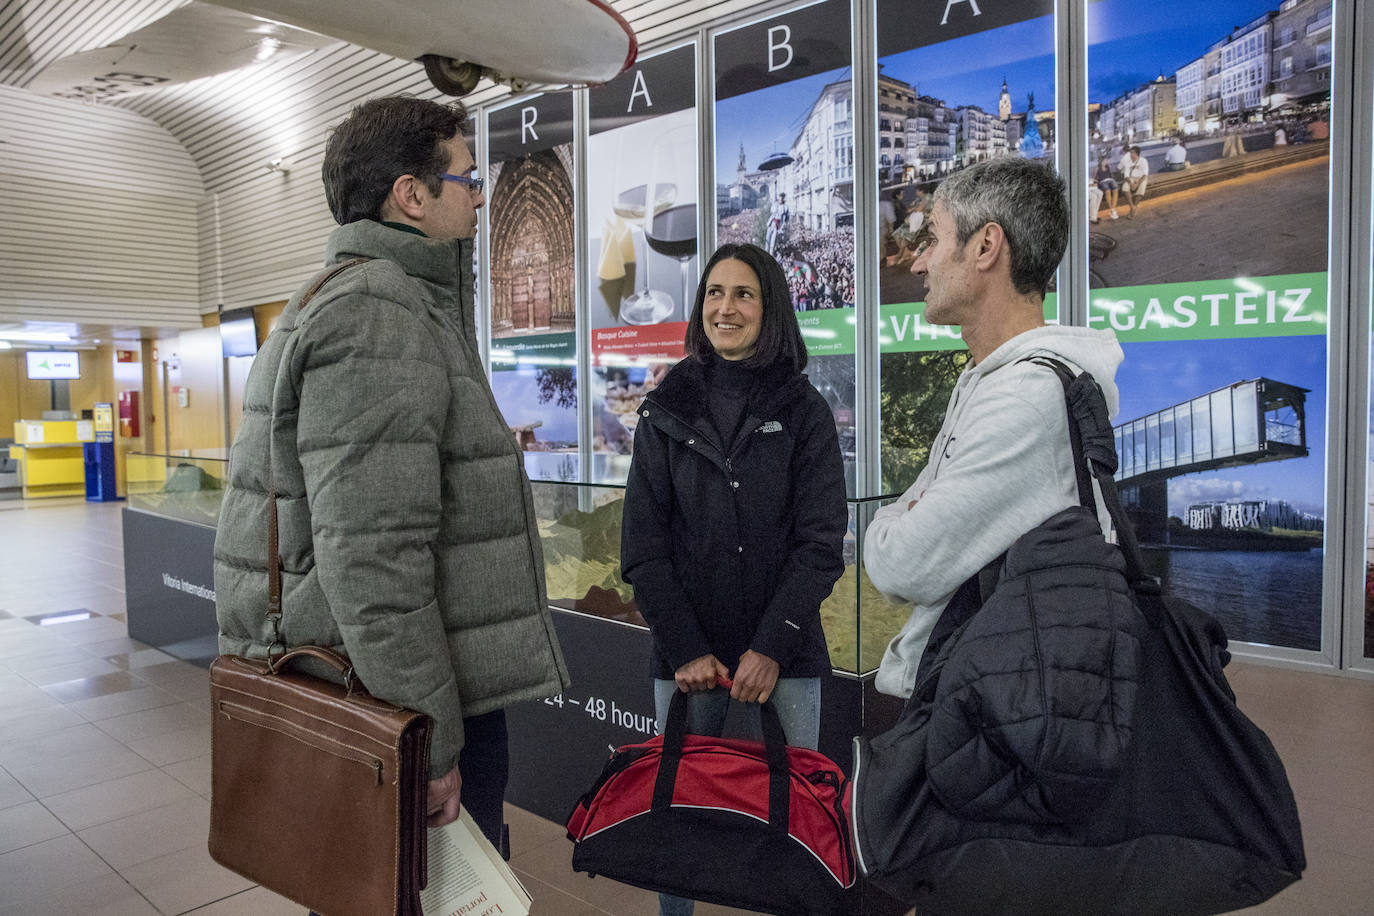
[{"x": 49, "y": 456}]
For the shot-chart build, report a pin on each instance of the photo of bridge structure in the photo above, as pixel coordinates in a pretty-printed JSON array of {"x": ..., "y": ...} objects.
[{"x": 1244, "y": 423}]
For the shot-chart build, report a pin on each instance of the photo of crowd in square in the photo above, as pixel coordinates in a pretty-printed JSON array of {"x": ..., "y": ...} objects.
[{"x": 784, "y": 124}]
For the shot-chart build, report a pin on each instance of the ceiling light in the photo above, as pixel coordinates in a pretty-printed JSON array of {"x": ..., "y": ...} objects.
[
  {"x": 4, "y": 345},
  {"x": 36, "y": 336}
]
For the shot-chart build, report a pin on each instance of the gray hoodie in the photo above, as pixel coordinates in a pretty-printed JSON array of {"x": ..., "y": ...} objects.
[{"x": 1000, "y": 465}]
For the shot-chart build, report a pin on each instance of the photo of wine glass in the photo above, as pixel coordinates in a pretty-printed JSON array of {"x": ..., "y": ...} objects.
[
  {"x": 629, "y": 203},
  {"x": 668, "y": 216}
]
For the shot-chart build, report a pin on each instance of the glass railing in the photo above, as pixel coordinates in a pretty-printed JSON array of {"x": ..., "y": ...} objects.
[
  {"x": 579, "y": 525},
  {"x": 877, "y": 617},
  {"x": 185, "y": 485}
]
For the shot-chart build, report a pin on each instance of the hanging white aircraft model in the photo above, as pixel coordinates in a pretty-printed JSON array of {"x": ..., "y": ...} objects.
[{"x": 458, "y": 41}]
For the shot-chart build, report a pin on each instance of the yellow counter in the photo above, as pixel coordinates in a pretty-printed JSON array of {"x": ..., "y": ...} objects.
[{"x": 49, "y": 455}]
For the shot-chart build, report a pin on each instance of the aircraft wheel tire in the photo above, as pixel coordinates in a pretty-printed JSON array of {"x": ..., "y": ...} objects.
[{"x": 449, "y": 76}]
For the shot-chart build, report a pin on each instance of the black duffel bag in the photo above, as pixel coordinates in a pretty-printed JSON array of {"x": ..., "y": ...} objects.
[
  {"x": 756, "y": 825},
  {"x": 1198, "y": 818}
]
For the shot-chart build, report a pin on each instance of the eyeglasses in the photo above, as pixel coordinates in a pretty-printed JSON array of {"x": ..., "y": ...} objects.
[{"x": 473, "y": 184}]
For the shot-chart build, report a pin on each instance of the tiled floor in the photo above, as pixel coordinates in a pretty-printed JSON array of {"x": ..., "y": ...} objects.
[{"x": 104, "y": 766}]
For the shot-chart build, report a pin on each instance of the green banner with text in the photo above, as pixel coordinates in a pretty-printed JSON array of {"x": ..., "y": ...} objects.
[
  {"x": 903, "y": 328},
  {"x": 1294, "y": 304},
  {"x": 1283, "y": 306},
  {"x": 534, "y": 350}
]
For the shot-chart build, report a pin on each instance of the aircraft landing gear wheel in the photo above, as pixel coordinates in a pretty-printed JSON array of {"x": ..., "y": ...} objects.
[{"x": 449, "y": 76}]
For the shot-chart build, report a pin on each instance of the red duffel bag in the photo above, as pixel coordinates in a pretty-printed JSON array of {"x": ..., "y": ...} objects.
[{"x": 723, "y": 820}]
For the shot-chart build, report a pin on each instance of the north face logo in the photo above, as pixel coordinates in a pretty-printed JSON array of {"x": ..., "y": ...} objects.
[{"x": 772, "y": 426}]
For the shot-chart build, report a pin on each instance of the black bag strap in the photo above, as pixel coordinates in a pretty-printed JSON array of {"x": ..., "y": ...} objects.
[
  {"x": 1095, "y": 454},
  {"x": 775, "y": 747},
  {"x": 1094, "y": 458},
  {"x": 1080, "y": 464},
  {"x": 274, "y": 611}
]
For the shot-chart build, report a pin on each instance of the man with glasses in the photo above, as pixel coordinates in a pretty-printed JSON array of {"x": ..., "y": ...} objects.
[{"x": 407, "y": 532}]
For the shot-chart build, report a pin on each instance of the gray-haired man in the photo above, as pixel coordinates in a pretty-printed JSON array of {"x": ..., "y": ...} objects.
[{"x": 1001, "y": 463}]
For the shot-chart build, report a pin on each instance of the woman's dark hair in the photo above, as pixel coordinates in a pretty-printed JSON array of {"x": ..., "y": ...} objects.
[
  {"x": 381, "y": 140},
  {"x": 780, "y": 339}
]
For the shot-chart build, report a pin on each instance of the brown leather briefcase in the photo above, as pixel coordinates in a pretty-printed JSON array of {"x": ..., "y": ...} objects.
[{"x": 318, "y": 789}]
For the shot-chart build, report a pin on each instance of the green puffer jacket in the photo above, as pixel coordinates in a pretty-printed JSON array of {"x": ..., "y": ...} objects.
[{"x": 407, "y": 529}]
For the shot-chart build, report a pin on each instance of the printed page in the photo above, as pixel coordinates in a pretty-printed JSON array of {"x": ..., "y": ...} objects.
[{"x": 468, "y": 877}]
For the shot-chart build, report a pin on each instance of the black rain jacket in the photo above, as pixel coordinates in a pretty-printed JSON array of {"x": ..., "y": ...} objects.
[{"x": 735, "y": 551}]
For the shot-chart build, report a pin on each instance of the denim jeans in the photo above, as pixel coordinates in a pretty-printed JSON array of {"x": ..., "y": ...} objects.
[{"x": 798, "y": 702}]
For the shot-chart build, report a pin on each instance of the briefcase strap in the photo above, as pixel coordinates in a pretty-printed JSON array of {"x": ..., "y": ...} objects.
[{"x": 274, "y": 610}]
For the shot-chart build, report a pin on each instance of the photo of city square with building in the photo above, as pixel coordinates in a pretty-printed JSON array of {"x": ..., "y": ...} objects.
[
  {"x": 941, "y": 107},
  {"x": 944, "y": 106},
  {"x": 1209, "y": 129}
]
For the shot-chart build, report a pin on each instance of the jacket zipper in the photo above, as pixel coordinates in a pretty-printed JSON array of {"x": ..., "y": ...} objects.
[
  {"x": 854, "y": 806},
  {"x": 303, "y": 735}
]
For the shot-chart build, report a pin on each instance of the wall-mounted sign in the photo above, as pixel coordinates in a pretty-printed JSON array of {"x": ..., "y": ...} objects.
[
  {"x": 103, "y": 416},
  {"x": 532, "y": 275},
  {"x": 52, "y": 365},
  {"x": 642, "y": 221},
  {"x": 1218, "y": 115},
  {"x": 127, "y": 356}
]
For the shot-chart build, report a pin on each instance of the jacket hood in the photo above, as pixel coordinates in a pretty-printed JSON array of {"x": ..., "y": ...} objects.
[{"x": 1089, "y": 349}]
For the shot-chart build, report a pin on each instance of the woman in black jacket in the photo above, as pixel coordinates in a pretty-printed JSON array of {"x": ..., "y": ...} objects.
[{"x": 735, "y": 513}]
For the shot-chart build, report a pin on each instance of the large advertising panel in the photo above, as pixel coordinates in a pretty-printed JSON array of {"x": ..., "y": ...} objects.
[
  {"x": 533, "y": 279},
  {"x": 784, "y": 166},
  {"x": 1209, "y": 166},
  {"x": 1369, "y": 518},
  {"x": 957, "y": 84},
  {"x": 1222, "y": 440},
  {"x": 642, "y": 217}
]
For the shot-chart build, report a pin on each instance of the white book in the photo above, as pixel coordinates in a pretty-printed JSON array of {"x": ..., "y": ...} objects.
[{"x": 468, "y": 877}]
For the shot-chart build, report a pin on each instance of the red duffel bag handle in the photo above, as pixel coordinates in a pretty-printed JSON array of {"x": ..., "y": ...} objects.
[{"x": 775, "y": 747}]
